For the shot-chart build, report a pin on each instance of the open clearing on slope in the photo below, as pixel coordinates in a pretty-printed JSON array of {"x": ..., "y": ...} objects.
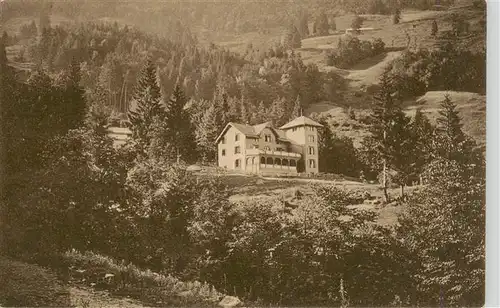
[
  {"x": 245, "y": 188},
  {"x": 471, "y": 106}
]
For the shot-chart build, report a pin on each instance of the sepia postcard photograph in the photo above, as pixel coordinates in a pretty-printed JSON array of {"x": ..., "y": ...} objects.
[{"x": 244, "y": 153}]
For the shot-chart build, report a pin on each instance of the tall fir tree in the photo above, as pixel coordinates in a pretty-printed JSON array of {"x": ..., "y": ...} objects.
[
  {"x": 322, "y": 25},
  {"x": 6, "y": 90},
  {"x": 245, "y": 115},
  {"x": 207, "y": 131},
  {"x": 44, "y": 18},
  {"x": 434, "y": 30},
  {"x": 333, "y": 24},
  {"x": 261, "y": 114},
  {"x": 297, "y": 109},
  {"x": 292, "y": 38},
  {"x": 400, "y": 150},
  {"x": 396, "y": 17},
  {"x": 148, "y": 106},
  {"x": 179, "y": 131},
  {"x": 304, "y": 25},
  {"x": 384, "y": 111},
  {"x": 75, "y": 96},
  {"x": 336, "y": 154},
  {"x": 451, "y": 142},
  {"x": 423, "y": 136},
  {"x": 278, "y": 115},
  {"x": 357, "y": 23},
  {"x": 222, "y": 102}
]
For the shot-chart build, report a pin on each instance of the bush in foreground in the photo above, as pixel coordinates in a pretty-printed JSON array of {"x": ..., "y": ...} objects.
[{"x": 127, "y": 279}]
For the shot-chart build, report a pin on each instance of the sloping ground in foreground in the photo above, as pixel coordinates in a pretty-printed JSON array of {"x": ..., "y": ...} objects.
[{"x": 27, "y": 285}]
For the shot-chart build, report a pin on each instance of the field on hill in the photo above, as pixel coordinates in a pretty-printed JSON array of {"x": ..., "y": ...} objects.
[{"x": 244, "y": 188}]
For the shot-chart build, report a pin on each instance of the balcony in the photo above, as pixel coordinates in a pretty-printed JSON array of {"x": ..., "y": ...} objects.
[{"x": 272, "y": 153}]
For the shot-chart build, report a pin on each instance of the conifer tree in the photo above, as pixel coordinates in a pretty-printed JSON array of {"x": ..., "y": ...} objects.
[
  {"x": 75, "y": 96},
  {"x": 384, "y": 111},
  {"x": 434, "y": 30},
  {"x": 292, "y": 38},
  {"x": 297, "y": 109},
  {"x": 261, "y": 114},
  {"x": 336, "y": 154},
  {"x": 244, "y": 112},
  {"x": 44, "y": 21},
  {"x": 6, "y": 89},
  {"x": 400, "y": 148},
  {"x": 221, "y": 101},
  {"x": 396, "y": 18},
  {"x": 147, "y": 98},
  {"x": 356, "y": 24},
  {"x": 207, "y": 131},
  {"x": 179, "y": 132},
  {"x": 333, "y": 24},
  {"x": 451, "y": 141},
  {"x": 304, "y": 25},
  {"x": 422, "y": 134},
  {"x": 278, "y": 113},
  {"x": 322, "y": 25}
]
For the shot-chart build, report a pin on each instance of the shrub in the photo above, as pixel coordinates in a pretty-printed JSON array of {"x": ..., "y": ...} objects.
[
  {"x": 351, "y": 50},
  {"x": 443, "y": 227},
  {"x": 148, "y": 286}
]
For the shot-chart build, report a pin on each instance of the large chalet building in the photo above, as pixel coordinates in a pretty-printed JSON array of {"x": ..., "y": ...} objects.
[{"x": 261, "y": 149}]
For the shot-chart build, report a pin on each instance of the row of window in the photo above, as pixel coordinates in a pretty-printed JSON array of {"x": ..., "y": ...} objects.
[
  {"x": 310, "y": 128},
  {"x": 267, "y": 138},
  {"x": 236, "y": 138},
  {"x": 237, "y": 150}
]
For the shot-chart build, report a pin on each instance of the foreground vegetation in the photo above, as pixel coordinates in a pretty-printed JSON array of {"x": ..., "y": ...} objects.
[{"x": 71, "y": 200}]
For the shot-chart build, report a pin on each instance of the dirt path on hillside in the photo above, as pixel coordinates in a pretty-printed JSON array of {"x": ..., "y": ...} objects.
[{"x": 29, "y": 285}]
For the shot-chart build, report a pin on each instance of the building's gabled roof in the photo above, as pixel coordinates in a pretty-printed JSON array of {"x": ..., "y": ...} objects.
[
  {"x": 277, "y": 132},
  {"x": 301, "y": 121},
  {"x": 260, "y": 127},
  {"x": 246, "y": 130},
  {"x": 253, "y": 131}
]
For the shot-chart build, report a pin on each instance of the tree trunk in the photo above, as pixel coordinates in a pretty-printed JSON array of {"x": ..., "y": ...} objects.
[
  {"x": 402, "y": 191},
  {"x": 384, "y": 183}
]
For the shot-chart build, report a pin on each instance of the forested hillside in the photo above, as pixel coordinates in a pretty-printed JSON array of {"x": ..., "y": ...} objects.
[{"x": 136, "y": 221}]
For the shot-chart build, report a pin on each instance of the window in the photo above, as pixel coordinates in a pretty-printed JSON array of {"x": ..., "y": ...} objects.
[
  {"x": 267, "y": 138},
  {"x": 266, "y": 148},
  {"x": 311, "y": 150},
  {"x": 223, "y": 141},
  {"x": 236, "y": 137},
  {"x": 311, "y": 138},
  {"x": 223, "y": 152},
  {"x": 237, "y": 150},
  {"x": 255, "y": 146},
  {"x": 312, "y": 163},
  {"x": 311, "y": 128},
  {"x": 237, "y": 163},
  {"x": 262, "y": 160},
  {"x": 279, "y": 149},
  {"x": 294, "y": 129}
]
